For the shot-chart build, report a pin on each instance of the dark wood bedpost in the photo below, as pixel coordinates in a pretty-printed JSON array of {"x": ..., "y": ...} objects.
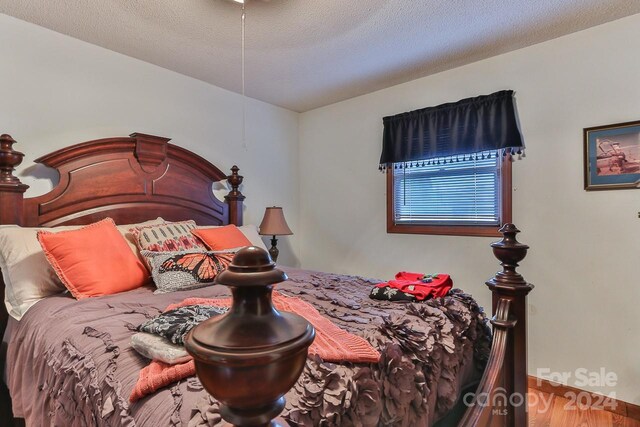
[
  {"x": 11, "y": 189},
  {"x": 501, "y": 398},
  {"x": 235, "y": 198},
  {"x": 250, "y": 357},
  {"x": 11, "y": 203},
  {"x": 11, "y": 208}
]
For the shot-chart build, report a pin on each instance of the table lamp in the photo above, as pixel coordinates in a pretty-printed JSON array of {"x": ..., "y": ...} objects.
[{"x": 274, "y": 224}]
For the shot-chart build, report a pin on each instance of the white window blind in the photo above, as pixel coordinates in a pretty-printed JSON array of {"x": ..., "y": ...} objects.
[{"x": 465, "y": 192}]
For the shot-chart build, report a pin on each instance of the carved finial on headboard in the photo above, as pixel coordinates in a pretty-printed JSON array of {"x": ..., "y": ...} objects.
[
  {"x": 235, "y": 197},
  {"x": 11, "y": 189},
  {"x": 9, "y": 159},
  {"x": 235, "y": 180}
]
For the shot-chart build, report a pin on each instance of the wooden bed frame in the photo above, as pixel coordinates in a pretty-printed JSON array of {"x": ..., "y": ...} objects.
[{"x": 136, "y": 178}]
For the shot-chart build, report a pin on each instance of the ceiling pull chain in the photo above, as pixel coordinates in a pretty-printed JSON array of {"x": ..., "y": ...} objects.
[{"x": 244, "y": 97}]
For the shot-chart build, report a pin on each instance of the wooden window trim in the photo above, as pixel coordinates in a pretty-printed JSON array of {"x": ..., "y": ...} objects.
[{"x": 456, "y": 230}]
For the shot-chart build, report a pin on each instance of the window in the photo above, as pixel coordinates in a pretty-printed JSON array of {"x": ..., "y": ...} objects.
[
  {"x": 465, "y": 197},
  {"x": 449, "y": 166}
]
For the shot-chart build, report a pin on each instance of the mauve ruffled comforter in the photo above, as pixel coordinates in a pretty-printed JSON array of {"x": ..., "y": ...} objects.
[{"x": 70, "y": 362}]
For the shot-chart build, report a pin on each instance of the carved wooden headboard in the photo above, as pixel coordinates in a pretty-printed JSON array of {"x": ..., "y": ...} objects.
[{"x": 128, "y": 179}]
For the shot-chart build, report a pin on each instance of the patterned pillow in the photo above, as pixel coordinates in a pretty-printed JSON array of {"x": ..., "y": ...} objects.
[
  {"x": 175, "y": 324},
  {"x": 182, "y": 270},
  {"x": 168, "y": 237}
]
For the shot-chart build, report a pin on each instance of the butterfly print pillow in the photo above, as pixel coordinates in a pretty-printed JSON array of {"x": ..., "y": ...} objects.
[{"x": 182, "y": 270}]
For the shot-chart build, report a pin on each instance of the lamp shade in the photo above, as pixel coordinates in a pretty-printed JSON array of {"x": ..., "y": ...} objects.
[{"x": 273, "y": 223}]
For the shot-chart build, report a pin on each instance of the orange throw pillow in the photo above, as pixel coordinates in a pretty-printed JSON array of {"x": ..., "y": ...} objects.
[
  {"x": 222, "y": 238},
  {"x": 94, "y": 260}
]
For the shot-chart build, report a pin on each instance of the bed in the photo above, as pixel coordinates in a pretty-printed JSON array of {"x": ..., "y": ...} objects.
[{"x": 82, "y": 372}]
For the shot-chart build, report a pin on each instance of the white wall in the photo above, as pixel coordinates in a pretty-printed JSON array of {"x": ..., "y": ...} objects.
[
  {"x": 585, "y": 247},
  {"x": 56, "y": 91}
]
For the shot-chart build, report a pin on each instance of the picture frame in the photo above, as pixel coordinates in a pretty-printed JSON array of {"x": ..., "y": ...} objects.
[{"x": 612, "y": 156}]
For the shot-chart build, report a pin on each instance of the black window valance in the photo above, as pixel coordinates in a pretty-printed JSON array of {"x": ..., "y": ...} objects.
[{"x": 470, "y": 126}]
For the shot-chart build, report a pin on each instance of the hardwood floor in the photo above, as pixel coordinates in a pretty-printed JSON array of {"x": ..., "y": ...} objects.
[{"x": 555, "y": 411}]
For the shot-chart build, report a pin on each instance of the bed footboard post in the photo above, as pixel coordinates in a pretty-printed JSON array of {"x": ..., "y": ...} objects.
[
  {"x": 508, "y": 286},
  {"x": 501, "y": 398},
  {"x": 11, "y": 189},
  {"x": 249, "y": 358},
  {"x": 235, "y": 198}
]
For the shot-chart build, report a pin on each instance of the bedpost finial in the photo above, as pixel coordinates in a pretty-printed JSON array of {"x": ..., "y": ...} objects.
[
  {"x": 257, "y": 262},
  {"x": 9, "y": 159},
  {"x": 235, "y": 180},
  {"x": 253, "y": 341},
  {"x": 235, "y": 198},
  {"x": 509, "y": 252}
]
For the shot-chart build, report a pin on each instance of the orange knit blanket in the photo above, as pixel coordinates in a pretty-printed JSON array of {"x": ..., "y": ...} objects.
[{"x": 331, "y": 344}]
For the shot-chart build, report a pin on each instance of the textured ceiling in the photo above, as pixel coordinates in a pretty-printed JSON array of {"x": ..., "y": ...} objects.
[{"x": 303, "y": 54}]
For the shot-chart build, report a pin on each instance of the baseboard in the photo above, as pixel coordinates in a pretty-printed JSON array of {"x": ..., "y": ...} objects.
[{"x": 616, "y": 406}]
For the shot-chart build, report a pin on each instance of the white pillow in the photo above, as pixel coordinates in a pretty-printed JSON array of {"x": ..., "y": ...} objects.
[
  {"x": 27, "y": 275},
  {"x": 159, "y": 348},
  {"x": 250, "y": 231}
]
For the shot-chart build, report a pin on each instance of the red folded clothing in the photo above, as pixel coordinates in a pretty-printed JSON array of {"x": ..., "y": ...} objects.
[
  {"x": 331, "y": 343},
  {"x": 434, "y": 286}
]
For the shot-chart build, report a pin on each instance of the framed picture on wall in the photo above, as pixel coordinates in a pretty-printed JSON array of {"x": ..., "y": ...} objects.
[{"x": 612, "y": 156}]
